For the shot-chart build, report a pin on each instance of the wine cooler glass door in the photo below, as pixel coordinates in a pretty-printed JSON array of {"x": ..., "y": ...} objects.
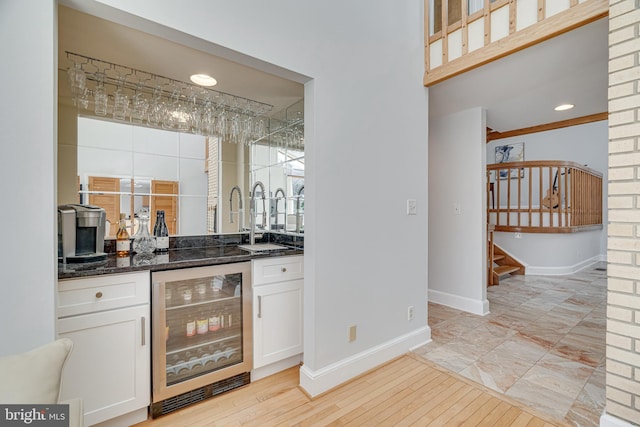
[{"x": 202, "y": 325}]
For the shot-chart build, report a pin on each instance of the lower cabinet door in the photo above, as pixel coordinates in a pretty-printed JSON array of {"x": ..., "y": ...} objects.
[
  {"x": 277, "y": 322},
  {"x": 109, "y": 366}
]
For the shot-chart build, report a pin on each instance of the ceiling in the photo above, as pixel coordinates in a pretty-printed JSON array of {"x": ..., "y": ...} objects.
[
  {"x": 521, "y": 90},
  {"x": 90, "y": 36},
  {"x": 517, "y": 91}
]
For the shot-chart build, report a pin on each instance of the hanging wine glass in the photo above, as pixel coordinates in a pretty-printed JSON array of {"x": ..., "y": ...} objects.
[
  {"x": 207, "y": 124},
  {"x": 235, "y": 128},
  {"x": 247, "y": 125},
  {"x": 169, "y": 120},
  {"x": 180, "y": 113},
  {"x": 221, "y": 119},
  {"x": 120, "y": 104},
  {"x": 236, "y": 123},
  {"x": 156, "y": 108},
  {"x": 194, "y": 114},
  {"x": 260, "y": 126},
  {"x": 83, "y": 99},
  {"x": 182, "y": 117},
  {"x": 120, "y": 101},
  {"x": 139, "y": 105},
  {"x": 77, "y": 81},
  {"x": 76, "y": 75},
  {"x": 247, "y": 129},
  {"x": 100, "y": 98}
]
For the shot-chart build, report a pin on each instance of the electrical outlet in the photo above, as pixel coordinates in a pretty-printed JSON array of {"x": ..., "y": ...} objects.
[
  {"x": 352, "y": 333},
  {"x": 518, "y": 235},
  {"x": 410, "y": 313}
]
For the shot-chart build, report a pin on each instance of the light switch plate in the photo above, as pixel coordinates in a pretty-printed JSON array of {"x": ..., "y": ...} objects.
[{"x": 411, "y": 207}]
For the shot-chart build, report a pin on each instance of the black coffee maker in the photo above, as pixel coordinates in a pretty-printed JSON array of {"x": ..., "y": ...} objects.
[{"x": 81, "y": 231}]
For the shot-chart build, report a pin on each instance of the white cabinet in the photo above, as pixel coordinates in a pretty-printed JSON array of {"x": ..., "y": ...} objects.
[
  {"x": 277, "y": 309},
  {"x": 107, "y": 318}
]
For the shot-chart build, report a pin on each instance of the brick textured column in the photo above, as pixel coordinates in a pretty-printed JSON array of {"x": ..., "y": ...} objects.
[{"x": 623, "y": 310}]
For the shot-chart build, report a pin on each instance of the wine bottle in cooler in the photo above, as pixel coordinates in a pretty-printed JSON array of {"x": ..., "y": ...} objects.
[{"x": 161, "y": 232}]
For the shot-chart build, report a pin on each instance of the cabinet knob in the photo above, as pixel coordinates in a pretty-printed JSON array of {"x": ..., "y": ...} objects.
[
  {"x": 98, "y": 294},
  {"x": 283, "y": 269}
]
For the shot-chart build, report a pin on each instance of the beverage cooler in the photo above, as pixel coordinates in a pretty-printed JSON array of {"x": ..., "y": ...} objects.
[{"x": 202, "y": 342}]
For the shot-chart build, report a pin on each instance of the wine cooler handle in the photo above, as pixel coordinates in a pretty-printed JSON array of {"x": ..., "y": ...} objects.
[
  {"x": 259, "y": 307},
  {"x": 143, "y": 321}
]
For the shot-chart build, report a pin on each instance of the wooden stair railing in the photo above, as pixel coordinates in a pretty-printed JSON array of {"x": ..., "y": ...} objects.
[
  {"x": 499, "y": 262},
  {"x": 544, "y": 196}
]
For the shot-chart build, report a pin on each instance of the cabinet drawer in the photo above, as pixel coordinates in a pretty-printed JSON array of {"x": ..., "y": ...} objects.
[
  {"x": 87, "y": 295},
  {"x": 277, "y": 269}
]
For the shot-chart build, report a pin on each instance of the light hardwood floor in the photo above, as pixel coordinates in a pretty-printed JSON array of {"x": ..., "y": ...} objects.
[{"x": 405, "y": 392}]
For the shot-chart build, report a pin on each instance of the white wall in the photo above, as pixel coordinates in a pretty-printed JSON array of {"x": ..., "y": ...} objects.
[
  {"x": 27, "y": 174},
  {"x": 560, "y": 253},
  {"x": 552, "y": 254},
  {"x": 365, "y": 259},
  {"x": 457, "y": 249}
]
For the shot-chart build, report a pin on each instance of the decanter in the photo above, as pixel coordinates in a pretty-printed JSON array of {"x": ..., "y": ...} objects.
[{"x": 143, "y": 242}]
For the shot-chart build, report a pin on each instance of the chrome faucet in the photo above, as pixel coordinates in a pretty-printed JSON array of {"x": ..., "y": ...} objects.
[
  {"x": 298, "y": 221},
  {"x": 284, "y": 196},
  {"x": 236, "y": 188},
  {"x": 252, "y": 219}
]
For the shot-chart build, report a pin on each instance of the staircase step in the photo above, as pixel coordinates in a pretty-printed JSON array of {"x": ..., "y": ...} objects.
[
  {"x": 497, "y": 257},
  {"x": 505, "y": 269}
]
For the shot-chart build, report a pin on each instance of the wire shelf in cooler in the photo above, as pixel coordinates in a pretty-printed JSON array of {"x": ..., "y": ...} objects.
[
  {"x": 201, "y": 303},
  {"x": 197, "y": 343},
  {"x": 189, "y": 293},
  {"x": 204, "y": 362}
]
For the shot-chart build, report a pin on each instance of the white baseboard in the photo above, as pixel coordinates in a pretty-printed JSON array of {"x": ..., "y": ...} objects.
[
  {"x": 607, "y": 420},
  {"x": 563, "y": 270},
  {"x": 324, "y": 379},
  {"x": 265, "y": 371},
  {"x": 129, "y": 419},
  {"x": 479, "y": 307}
]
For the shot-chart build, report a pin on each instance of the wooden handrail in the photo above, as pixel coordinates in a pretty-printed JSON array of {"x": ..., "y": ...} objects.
[
  {"x": 491, "y": 257},
  {"x": 471, "y": 49},
  {"x": 536, "y": 163},
  {"x": 544, "y": 196}
]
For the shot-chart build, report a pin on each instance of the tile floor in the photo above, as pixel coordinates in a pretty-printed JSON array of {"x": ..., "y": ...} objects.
[{"x": 543, "y": 343}]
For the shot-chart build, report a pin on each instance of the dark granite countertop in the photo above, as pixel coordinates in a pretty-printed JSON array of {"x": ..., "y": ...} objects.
[{"x": 174, "y": 259}]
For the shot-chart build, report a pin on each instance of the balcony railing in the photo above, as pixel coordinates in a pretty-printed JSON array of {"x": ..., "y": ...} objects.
[
  {"x": 463, "y": 34},
  {"x": 549, "y": 196}
]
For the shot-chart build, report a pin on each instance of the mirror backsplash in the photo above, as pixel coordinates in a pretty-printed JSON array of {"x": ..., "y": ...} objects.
[{"x": 123, "y": 167}]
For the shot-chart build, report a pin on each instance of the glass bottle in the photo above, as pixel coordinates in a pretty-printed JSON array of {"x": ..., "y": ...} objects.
[
  {"x": 161, "y": 232},
  {"x": 123, "y": 244},
  {"x": 143, "y": 242},
  {"x": 191, "y": 327}
]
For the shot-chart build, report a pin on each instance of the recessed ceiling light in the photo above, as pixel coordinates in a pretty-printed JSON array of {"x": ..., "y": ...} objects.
[
  {"x": 563, "y": 107},
  {"x": 203, "y": 80}
]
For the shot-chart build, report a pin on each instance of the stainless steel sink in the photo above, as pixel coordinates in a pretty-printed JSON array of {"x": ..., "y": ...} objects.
[{"x": 259, "y": 247}]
